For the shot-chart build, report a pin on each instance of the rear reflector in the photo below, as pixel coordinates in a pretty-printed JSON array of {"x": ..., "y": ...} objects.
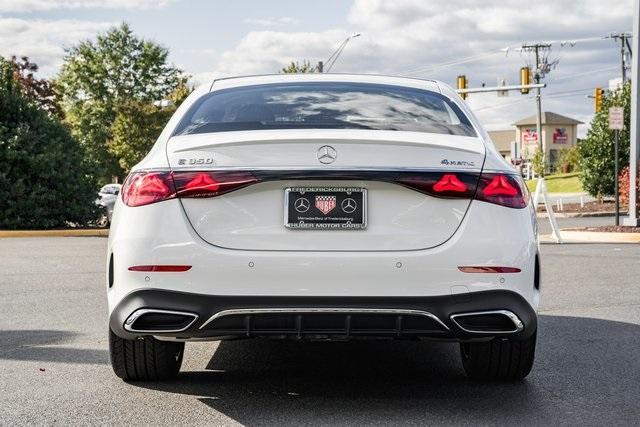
[
  {"x": 486, "y": 269},
  {"x": 160, "y": 268}
]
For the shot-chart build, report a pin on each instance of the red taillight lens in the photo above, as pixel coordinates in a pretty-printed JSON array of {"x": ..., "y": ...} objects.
[
  {"x": 503, "y": 190},
  {"x": 143, "y": 188},
  {"x": 201, "y": 183},
  {"x": 210, "y": 184},
  {"x": 448, "y": 185},
  {"x": 449, "y": 182}
]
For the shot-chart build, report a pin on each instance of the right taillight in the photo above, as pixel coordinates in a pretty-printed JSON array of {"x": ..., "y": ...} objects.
[
  {"x": 502, "y": 189},
  {"x": 451, "y": 185}
]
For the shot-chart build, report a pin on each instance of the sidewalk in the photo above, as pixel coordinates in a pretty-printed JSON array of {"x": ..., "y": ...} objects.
[
  {"x": 569, "y": 236},
  {"x": 91, "y": 232}
]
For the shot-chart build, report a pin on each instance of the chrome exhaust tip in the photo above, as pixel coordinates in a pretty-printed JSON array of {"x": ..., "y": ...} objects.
[
  {"x": 488, "y": 322},
  {"x": 152, "y": 320}
]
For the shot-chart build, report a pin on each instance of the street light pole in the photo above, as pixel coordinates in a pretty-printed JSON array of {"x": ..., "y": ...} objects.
[
  {"x": 329, "y": 63},
  {"x": 634, "y": 151}
]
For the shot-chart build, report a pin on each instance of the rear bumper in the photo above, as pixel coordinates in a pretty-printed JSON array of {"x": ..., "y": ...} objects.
[{"x": 320, "y": 317}]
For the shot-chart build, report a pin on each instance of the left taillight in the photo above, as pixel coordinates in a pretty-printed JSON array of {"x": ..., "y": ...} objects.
[
  {"x": 210, "y": 184},
  {"x": 144, "y": 188}
]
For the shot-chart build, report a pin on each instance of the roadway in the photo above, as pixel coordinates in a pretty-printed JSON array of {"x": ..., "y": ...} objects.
[{"x": 55, "y": 365}]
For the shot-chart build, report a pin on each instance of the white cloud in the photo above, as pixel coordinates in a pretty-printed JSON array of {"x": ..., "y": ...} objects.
[
  {"x": 402, "y": 37},
  {"x": 44, "y": 41},
  {"x": 412, "y": 35},
  {"x": 272, "y": 22},
  {"x": 269, "y": 51},
  {"x": 44, "y": 5}
]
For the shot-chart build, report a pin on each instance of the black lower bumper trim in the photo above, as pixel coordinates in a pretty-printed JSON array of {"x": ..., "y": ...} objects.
[{"x": 391, "y": 320}]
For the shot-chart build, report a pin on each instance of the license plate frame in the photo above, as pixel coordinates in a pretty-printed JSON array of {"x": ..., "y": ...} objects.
[{"x": 339, "y": 217}]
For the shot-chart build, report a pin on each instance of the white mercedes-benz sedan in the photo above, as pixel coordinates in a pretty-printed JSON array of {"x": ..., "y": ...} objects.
[{"x": 323, "y": 207}]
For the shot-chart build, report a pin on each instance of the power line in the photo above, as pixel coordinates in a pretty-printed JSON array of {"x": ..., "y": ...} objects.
[
  {"x": 553, "y": 95},
  {"x": 505, "y": 50},
  {"x": 584, "y": 73},
  {"x": 451, "y": 63}
]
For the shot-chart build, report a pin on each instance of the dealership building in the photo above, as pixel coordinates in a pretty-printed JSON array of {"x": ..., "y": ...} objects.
[{"x": 558, "y": 132}]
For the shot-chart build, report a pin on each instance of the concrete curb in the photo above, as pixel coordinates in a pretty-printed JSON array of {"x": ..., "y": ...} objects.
[
  {"x": 98, "y": 232},
  {"x": 579, "y": 214},
  {"x": 592, "y": 237}
]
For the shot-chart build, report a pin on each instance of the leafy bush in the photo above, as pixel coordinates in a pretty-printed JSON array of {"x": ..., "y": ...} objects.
[
  {"x": 569, "y": 160},
  {"x": 44, "y": 181},
  {"x": 623, "y": 186},
  {"x": 597, "y": 149},
  {"x": 537, "y": 163}
]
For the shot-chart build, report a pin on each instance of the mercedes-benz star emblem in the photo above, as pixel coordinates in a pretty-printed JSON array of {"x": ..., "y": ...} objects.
[
  {"x": 302, "y": 205},
  {"x": 348, "y": 205},
  {"x": 327, "y": 154}
]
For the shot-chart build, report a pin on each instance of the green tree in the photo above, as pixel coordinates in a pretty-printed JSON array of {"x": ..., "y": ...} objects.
[
  {"x": 44, "y": 181},
  {"x": 101, "y": 77},
  {"x": 295, "y": 67},
  {"x": 137, "y": 126},
  {"x": 597, "y": 149}
]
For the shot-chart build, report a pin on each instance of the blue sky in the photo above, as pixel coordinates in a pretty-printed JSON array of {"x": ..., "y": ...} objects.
[{"x": 420, "y": 38}]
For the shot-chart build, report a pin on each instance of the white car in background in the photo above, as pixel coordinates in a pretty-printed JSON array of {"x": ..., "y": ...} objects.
[
  {"x": 320, "y": 207},
  {"x": 106, "y": 200}
]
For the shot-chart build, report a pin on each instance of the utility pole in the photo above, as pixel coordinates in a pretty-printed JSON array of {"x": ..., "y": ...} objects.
[
  {"x": 539, "y": 71},
  {"x": 624, "y": 44},
  {"x": 634, "y": 153}
]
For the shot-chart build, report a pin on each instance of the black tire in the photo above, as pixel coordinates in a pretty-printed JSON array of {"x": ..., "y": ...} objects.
[
  {"x": 499, "y": 359},
  {"x": 144, "y": 359}
]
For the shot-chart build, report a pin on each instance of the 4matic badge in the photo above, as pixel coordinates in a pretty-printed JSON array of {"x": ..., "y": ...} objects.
[{"x": 447, "y": 162}]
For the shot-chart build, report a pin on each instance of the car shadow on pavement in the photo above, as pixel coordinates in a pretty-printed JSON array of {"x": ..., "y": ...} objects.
[
  {"x": 47, "y": 346},
  {"x": 586, "y": 371}
]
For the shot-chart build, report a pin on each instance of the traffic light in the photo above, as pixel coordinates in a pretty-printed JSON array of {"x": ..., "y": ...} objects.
[
  {"x": 462, "y": 84},
  {"x": 525, "y": 79},
  {"x": 599, "y": 93}
]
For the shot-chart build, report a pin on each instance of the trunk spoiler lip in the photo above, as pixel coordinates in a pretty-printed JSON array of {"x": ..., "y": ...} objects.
[
  {"x": 328, "y": 170},
  {"x": 211, "y": 141}
]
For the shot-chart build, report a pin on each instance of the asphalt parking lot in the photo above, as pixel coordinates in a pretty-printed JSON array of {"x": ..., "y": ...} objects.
[{"x": 54, "y": 363}]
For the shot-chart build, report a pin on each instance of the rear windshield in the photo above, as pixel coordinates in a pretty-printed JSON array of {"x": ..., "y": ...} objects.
[{"x": 325, "y": 106}]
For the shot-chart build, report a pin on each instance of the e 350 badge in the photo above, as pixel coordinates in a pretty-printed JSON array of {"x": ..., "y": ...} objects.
[{"x": 196, "y": 161}]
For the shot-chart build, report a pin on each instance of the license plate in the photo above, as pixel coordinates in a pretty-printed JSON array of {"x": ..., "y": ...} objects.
[{"x": 325, "y": 208}]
